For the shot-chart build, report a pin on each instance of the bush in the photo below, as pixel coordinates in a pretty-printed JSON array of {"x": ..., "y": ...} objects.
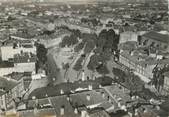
[
  {"x": 120, "y": 74},
  {"x": 104, "y": 80},
  {"x": 102, "y": 69}
]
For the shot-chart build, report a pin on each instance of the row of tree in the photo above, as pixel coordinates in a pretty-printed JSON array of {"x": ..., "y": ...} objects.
[
  {"x": 103, "y": 45},
  {"x": 158, "y": 76}
]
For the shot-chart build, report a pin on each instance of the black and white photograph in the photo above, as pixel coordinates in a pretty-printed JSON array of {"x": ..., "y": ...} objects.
[{"x": 84, "y": 58}]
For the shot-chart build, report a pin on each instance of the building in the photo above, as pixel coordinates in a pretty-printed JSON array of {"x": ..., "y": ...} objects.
[
  {"x": 8, "y": 50},
  {"x": 155, "y": 39},
  {"x": 24, "y": 85},
  {"x": 24, "y": 62},
  {"x": 16, "y": 92},
  {"x": 141, "y": 64},
  {"x": 5, "y": 85},
  {"x": 166, "y": 83},
  {"x": 81, "y": 104},
  {"x": 128, "y": 36},
  {"x": 144, "y": 54}
]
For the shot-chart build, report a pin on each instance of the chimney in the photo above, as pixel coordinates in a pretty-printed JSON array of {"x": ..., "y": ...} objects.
[
  {"x": 103, "y": 95},
  {"x": 28, "y": 60},
  {"x": 83, "y": 113},
  {"x": 53, "y": 79},
  {"x": 33, "y": 97},
  {"x": 90, "y": 87},
  {"x": 29, "y": 54},
  {"x": 100, "y": 86},
  {"x": 136, "y": 112},
  {"x": 35, "y": 111},
  {"x": 83, "y": 76},
  {"x": 68, "y": 98},
  {"x": 76, "y": 111},
  {"x": 158, "y": 107},
  {"x": 109, "y": 100},
  {"x": 119, "y": 104},
  {"x": 131, "y": 52},
  {"x": 61, "y": 92},
  {"x": 62, "y": 110},
  {"x": 88, "y": 97}
]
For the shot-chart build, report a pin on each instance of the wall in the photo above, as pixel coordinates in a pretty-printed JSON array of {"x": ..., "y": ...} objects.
[
  {"x": 128, "y": 36},
  {"x": 9, "y": 52},
  {"x": 5, "y": 71},
  {"x": 145, "y": 71},
  {"x": 20, "y": 67},
  {"x": 24, "y": 67},
  {"x": 166, "y": 85}
]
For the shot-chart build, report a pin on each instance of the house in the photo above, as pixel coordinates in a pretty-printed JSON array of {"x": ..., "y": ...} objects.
[
  {"x": 141, "y": 64},
  {"x": 22, "y": 86},
  {"x": 82, "y": 104},
  {"x": 9, "y": 49},
  {"x": 128, "y": 36},
  {"x": 155, "y": 39},
  {"x": 5, "y": 85},
  {"x": 24, "y": 62},
  {"x": 16, "y": 92},
  {"x": 166, "y": 83}
]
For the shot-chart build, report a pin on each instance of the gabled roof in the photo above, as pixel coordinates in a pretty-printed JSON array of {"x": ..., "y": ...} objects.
[{"x": 157, "y": 36}]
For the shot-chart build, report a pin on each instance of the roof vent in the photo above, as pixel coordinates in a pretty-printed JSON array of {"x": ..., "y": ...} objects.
[
  {"x": 61, "y": 92},
  {"x": 33, "y": 97},
  {"x": 88, "y": 97},
  {"x": 62, "y": 110},
  {"x": 76, "y": 111}
]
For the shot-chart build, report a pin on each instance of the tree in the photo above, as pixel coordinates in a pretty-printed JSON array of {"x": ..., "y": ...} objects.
[
  {"x": 78, "y": 65},
  {"x": 41, "y": 53},
  {"x": 104, "y": 80},
  {"x": 120, "y": 74},
  {"x": 79, "y": 46},
  {"x": 102, "y": 69},
  {"x": 77, "y": 33},
  {"x": 69, "y": 40},
  {"x": 89, "y": 46},
  {"x": 133, "y": 82},
  {"x": 93, "y": 63}
]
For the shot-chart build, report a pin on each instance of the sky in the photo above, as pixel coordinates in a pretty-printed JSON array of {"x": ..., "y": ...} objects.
[{"x": 85, "y": 0}]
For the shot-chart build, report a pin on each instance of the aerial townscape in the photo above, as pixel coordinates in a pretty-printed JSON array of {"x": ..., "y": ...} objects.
[{"x": 84, "y": 58}]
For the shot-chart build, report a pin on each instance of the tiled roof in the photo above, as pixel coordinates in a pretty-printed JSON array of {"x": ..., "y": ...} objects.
[
  {"x": 40, "y": 113},
  {"x": 128, "y": 45},
  {"x": 5, "y": 64},
  {"x": 157, "y": 36},
  {"x": 98, "y": 112},
  {"x": 146, "y": 60},
  {"x": 24, "y": 58},
  {"x": 66, "y": 87},
  {"x": 76, "y": 100}
]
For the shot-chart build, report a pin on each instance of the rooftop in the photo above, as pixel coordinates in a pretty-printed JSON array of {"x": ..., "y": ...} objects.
[
  {"x": 157, "y": 36},
  {"x": 24, "y": 58},
  {"x": 70, "y": 102},
  {"x": 69, "y": 87},
  {"x": 142, "y": 59},
  {"x": 19, "y": 75}
]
